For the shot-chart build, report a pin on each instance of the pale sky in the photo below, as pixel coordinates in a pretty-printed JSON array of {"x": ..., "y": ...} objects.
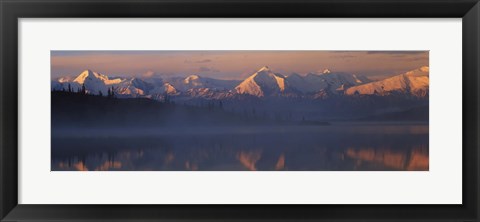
[{"x": 234, "y": 64}]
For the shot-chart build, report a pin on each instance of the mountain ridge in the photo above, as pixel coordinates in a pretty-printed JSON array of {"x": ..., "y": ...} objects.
[
  {"x": 263, "y": 83},
  {"x": 415, "y": 82}
]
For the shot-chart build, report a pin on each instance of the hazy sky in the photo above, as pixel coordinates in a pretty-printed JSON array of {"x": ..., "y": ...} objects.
[{"x": 234, "y": 64}]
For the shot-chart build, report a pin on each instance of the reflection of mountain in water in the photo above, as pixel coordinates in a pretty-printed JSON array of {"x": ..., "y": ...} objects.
[
  {"x": 380, "y": 147},
  {"x": 417, "y": 159}
]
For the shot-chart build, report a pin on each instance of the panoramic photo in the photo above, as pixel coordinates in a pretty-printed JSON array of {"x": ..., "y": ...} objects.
[{"x": 237, "y": 110}]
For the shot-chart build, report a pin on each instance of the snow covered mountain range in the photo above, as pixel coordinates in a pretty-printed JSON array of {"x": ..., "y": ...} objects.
[
  {"x": 415, "y": 82},
  {"x": 264, "y": 83}
]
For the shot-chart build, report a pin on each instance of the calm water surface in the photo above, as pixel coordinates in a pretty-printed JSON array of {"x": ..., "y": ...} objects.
[{"x": 340, "y": 146}]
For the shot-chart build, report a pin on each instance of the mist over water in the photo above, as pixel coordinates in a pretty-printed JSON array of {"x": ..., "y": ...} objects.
[{"x": 343, "y": 146}]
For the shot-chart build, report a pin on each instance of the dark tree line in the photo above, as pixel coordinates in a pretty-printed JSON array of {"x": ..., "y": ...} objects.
[{"x": 83, "y": 91}]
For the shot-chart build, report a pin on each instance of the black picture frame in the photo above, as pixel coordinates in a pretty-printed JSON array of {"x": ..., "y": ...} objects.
[{"x": 12, "y": 10}]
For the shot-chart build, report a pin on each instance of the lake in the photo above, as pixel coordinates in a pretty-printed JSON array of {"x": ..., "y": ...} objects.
[{"x": 337, "y": 147}]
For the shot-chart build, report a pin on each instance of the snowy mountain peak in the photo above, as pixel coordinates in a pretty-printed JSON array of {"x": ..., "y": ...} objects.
[
  {"x": 84, "y": 75},
  {"x": 265, "y": 68},
  {"x": 262, "y": 82},
  {"x": 425, "y": 69},
  {"x": 422, "y": 71},
  {"x": 415, "y": 82},
  {"x": 64, "y": 79},
  {"x": 191, "y": 78},
  {"x": 333, "y": 83},
  {"x": 89, "y": 75},
  {"x": 169, "y": 89}
]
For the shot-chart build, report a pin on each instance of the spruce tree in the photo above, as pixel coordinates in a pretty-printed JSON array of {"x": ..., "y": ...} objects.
[{"x": 113, "y": 92}]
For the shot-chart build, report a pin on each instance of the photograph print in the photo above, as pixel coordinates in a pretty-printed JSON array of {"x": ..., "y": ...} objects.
[{"x": 237, "y": 110}]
